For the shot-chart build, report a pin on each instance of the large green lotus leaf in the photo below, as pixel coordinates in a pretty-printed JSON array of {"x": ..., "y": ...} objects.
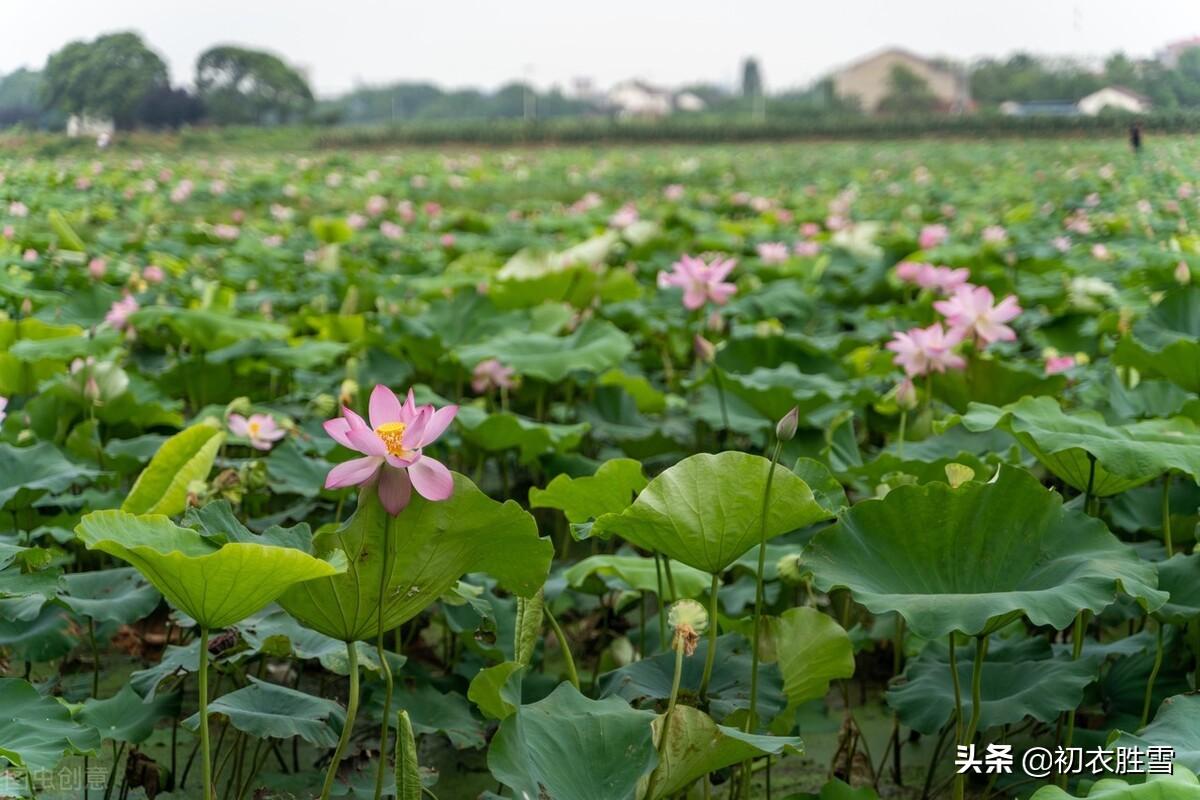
[
  {"x": 206, "y": 329},
  {"x": 649, "y": 679},
  {"x": 812, "y": 650},
  {"x": 22, "y": 594},
  {"x": 1182, "y": 785},
  {"x": 571, "y": 748},
  {"x": 125, "y": 717},
  {"x": 44, "y": 636},
  {"x": 640, "y": 573},
  {"x": 996, "y": 381},
  {"x": 267, "y": 710},
  {"x": 432, "y": 711},
  {"x": 826, "y": 489},
  {"x": 112, "y": 595},
  {"x": 36, "y": 731},
  {"x": 1167, "y": 341},
  {"x": 434, "y": 544},
  {"x": 26, "y": 473},
  {"x": 276, "y": 633},
  {"x": 707, "y": 510},
  {"x": 926, "y": 460},
  {"x": 594, "y": 346},
  {"x": 1179, "y": 576},
  {"x": 773, "y": 392},
  {"x": 162, "y": 488},
  {"x": 216, "y": 585},
  {"x": 974, "y": 558},
  {"x": 506, "y": 431},
  {"x": 293, "y": 472},
  {"x": 609, "y": 491},
  {"x": 497, "y": 689},
  {"x": 1176, "y": 725},
  {"x": 697, "y": 746},
  {"x": 1126, "y": 455},
  {"x": 1021, "y": 678}
]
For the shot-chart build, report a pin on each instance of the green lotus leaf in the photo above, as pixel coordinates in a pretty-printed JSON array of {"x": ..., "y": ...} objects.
[
  {"x": 826, "y": 489},
  {"x": 639, "y": 573},
  {"x": 276, "y": 633},
  {"x": 45, "y": 636},
  {"x": 1176, "y": 725},
  {"x": 293, "y": 472},
  {"x": 773, "y": 392},
  {"x": 707, "y": 510},
  {"x": 206, "y": 329},
  {"x": 216, "y": 585},
  {"x": 974, "y": 558},
  {"x": 696, "y": 746},
  {"x": 449, "y": 713},
  {"x": 594, "y": 346},
  {"x": 996, "y": 381},
  {"x": 926, "y": 460},
  {"x": 649, "y": 679},
  {"x": 1021, "y": 678},
  {"x": 119, "y": 595},
  {"x": 22, "y": 594},
  {"x": 267, "y": 710},
  {"x": 125, "y": 717},
  {"x": 505, "y": 431},
  {"x": 1165, "y": 341},
  {"x": 609, "y": 491},
  {"x": 162, "y": 488},
  {"x": 439, "y": 543},
  {"x": 571, "y": 748},
  {"x": 1126, "y": 455},
  {"x": 497, "y": 690},
  {"x": 1182, "y": 785},
  {"x": 811, "y": 650},
  {"x": 1179, "y": 576},
  {"x": 26, "y": 473},
  {"x": 35, "y": 731}
]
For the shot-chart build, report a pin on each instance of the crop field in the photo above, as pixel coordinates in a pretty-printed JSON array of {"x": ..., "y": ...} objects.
[{"x": 833, "y": 471}]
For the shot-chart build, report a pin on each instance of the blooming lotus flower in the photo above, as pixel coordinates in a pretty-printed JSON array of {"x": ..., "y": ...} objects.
[
  {"x": 673, "y": 192},
  {"x": 376, "y": 205},
  {"x": 120, "y": 311},
  {"x": 226, "y": 232},
  {"x": 261, "y": 429},
  {"x": 447, "y": 240},
  {"x": 1061, "y": 243},
  {"x": 154, "y": 274},
  {"x": 927, "y": 276},
  {"x": 491, "y": 374},
  {"x": 973, "y": 310},
  {"x": 810, "y": 229},
  {"x": 700, "y": 281},
  {"x": 807, "y": 249},
  {"x": 356, "y": 221},
  {"x": 626, "y": 215},
  {"x": 1056, "y": 363},
  {"x": 96, "y": 268},
  {"x": 1100, "y": 252},
  {"x": 3, "y": 408},
  {"x": 920, "y": 351},
  {"x": 392, "y": 447},
  {"x": 181, "y": 192},
  {"x": 1183, "y": 274},
  {"x": 391, "y": 230},
  {"x": 18, "y": 209},
  {"x": 994, "y": 234},
  {"x": 932, "y": 236},
  {"x": 773, "y": 252}
]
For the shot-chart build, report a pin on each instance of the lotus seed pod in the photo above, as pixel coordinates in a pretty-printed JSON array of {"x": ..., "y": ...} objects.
[{"x": 790, "y": 570}]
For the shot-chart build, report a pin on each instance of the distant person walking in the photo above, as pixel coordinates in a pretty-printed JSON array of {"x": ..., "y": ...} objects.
[{"x": 1135, "y": 138}]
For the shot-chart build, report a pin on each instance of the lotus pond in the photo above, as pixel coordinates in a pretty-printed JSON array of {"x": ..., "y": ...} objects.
[{"x": 819, "y": 471}]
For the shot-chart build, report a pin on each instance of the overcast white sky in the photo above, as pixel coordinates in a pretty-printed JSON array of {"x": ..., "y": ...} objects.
[{"x": 342, "y": 43}]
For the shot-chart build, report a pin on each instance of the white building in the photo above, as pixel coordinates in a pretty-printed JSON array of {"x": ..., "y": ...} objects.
[
  {"x": 1115, "y": 98},
  {"x": 634, "y": 98},
  {"x": 91, "y": 127}
]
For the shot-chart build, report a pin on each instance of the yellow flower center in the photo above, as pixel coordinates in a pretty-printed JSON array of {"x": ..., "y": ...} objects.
[
  {"x": 392, "y": 436},
  {"x": 253, "y": 428}
]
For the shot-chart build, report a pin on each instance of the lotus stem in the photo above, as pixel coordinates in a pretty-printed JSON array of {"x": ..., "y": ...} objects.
[
  {"x": 1166, "y": 514},
  {"x": 959, "y": 786},
  {"x": 572, "y": 673},
  {"x": 981, "y": 648},
  {"x": 662, "y": 618},
  {"x": 711, "y": 655},
  {"x": 1087, "y": 496},
  {"x": 1076, "y": 651},
  {"x": 666, "y": 725},
  {"x": 385, "y": 667},
  {"x": 348, "y": 727},
  {"x": 202, "y": 677},
  {"x": 1158, "y": 659},
  {"x": 903, "y": 426}
]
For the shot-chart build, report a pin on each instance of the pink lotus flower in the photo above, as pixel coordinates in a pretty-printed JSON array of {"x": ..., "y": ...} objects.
[
  {"x": 972, "y": 310},
  {"x": 1056, "y": 364},
  {"x": 356, "y": 221},
  {"x": 1100, "y": 252},
  {"x": 1061, "y": 243},
  {"x": 626, "y": 215},
  {"x": 376, "y": 205},
  {"x": 154, "y": 274},
  {"x": 120, "y": 311},
  {"x": 226, "y": 232},
  {"x": 1183, "y": 274},
  {"x": 810, "y": 229},
  {"x": 773, "y": 252},
  {"x": 392, "y": 449},
  {"x": 994, "y": 234},
  {"x": 30, "y": 255},
  {"x": 932, "y": 236},
  {"x": 807, "y": 249},
  {"x": 96, "y": 268},
  {"x": 673, "y": 192},
  {"x": 447, "y": 240},
  {"x": 181, "y": 192},
  {"x": 18, "y": 209},
  {"x": 3, "y": 408},
  {"x": 260, "y": 429},
  {"x": 701, "y": 282},
  {"x": 491, "y": 374},
  {"x": 920, "y": 351},
  {"x": 927, "y": 276},
  {"x": 906, "y": 395},
  {"x": 391, "y": 230}
]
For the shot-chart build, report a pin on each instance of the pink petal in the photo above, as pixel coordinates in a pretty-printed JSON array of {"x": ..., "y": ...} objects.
[
  {"x": 721, "y": 292},
  {"x": 337, "y": 430},
  {"x": 365, "y": 441},
  {"x": 437, "y": 425},
  {"x": 431, "y": 479},
  {"x": 353, "y": 472},
  {"x": 694, "y": 297},
  {"x": 237, "y": 424},
  {"x": 395, "y": 490},
  {"x": 384, "y": 407}
]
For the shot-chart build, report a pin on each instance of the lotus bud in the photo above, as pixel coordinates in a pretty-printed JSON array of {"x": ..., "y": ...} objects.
[
  {"x": 26, "y": 307},
  {"x": 239, "y": 405},
  {"x": 790, "y": 570},
  {"x": 705, "y": 350},
  {"x": 1183, "y": 275},
  {"x": 324, "y": 404},
  {"x": 688, "y": 620},
  {"x": 348, "y": 392},
  {"x": 906, "y": 395},
  {"x": 785, "y": 430}
]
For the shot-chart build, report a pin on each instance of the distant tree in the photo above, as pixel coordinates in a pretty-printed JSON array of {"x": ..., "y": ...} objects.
[
  {"x": 1119, "y": 70},
  {"x": 165, "y": 107},
  {"x": 21, "y": 98},
  {"x": 107, "y": 77},
  {"x": 908, "y": 92},
  {"x": 241, "y": 86},
  {"x": 752, "y": 82}
]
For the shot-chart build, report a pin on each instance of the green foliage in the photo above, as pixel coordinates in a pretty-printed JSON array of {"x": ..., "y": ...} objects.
[
  {"x": 107, "y": 77},
  {"x": 240, "y": 86}
]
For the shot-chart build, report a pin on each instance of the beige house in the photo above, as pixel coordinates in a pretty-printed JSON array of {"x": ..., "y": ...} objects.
[
  {"x": 1116, "y": 98},
  {"x": 869, "y": 80}
]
